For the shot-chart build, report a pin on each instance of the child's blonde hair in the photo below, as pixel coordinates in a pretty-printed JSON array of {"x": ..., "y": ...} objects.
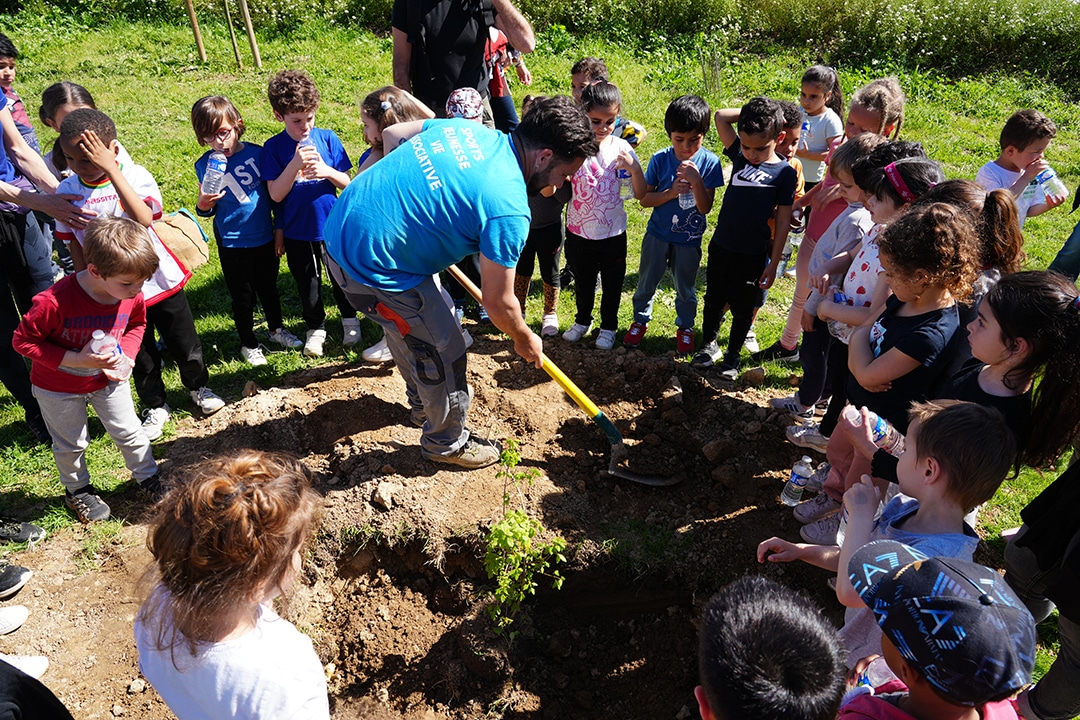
[
  {"x": 391, "y": 105},
  {"x": 222, "y": 537},
  {"x": 884, "y": 97},
  {"x": 119, "y": 246},
  {"x": 208, "y": 113},
  {"x": 938, "y": 239}
]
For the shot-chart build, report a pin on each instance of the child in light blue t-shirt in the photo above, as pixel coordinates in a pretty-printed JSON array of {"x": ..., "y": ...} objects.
[{"x": 673, "y": 235}]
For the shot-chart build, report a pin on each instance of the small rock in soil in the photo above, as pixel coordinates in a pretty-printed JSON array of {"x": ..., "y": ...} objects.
[
  {"x": 754, "y": 377},
  {"x": 384, "y": 494},
  {"x": 137, "y": 685},
  {"x": 117, "y": 710}
]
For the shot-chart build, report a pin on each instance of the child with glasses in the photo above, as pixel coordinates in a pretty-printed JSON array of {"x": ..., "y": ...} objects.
[{"x": 248, "y": 244}]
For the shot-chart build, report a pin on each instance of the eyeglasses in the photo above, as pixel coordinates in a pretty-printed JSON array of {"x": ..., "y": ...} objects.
[{"x": 221, "y": 136}]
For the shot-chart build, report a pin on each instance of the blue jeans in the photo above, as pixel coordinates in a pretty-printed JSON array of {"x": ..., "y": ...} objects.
[
  {"x": 684, "y": 260},
  {"x": 1067, "y": 261},
  {"x": 1057, "y": 695}
]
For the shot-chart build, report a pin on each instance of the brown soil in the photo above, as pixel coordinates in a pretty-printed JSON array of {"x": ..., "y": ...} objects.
[{"x": 391, "y": 596}]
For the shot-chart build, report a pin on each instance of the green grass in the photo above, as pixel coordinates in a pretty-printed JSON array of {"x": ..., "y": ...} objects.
[{"x": 147, "y": 76}]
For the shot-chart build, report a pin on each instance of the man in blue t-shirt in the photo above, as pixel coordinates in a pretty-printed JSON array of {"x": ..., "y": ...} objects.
[{"x": 453, "y": 188}]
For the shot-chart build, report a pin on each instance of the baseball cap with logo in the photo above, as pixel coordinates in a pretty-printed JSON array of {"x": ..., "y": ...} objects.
[{"x": 956, "y": 622}]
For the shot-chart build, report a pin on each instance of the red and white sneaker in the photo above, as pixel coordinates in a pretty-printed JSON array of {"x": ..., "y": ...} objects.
[
  {"x": 635, "y": 334},
  {"x": 684, "y": 341}
]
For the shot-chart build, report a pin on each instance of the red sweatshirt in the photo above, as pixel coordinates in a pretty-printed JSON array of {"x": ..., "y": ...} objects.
[{"x": 63, "y": 318}]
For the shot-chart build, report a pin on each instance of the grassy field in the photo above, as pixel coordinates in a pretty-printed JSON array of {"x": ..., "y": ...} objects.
[{"x": 147, "y": 77}]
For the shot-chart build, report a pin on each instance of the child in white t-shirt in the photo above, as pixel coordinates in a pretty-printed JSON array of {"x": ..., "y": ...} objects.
[{"x": 226, "y": 541}]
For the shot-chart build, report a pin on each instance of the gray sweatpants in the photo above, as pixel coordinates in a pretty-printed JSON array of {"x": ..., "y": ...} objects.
[
  {"x": 429, "y": 351},
  {"x": 65, "y": 416}
]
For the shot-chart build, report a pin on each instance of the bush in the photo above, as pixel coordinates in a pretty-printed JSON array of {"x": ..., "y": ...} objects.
[{"x": 954, "y": 37}]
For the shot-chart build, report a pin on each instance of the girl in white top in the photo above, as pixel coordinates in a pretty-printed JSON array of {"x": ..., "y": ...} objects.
[
  {"x": 822, "y": 103},
  {"x": 596, "y": 218},
  {"x": 227, "y": 541}
]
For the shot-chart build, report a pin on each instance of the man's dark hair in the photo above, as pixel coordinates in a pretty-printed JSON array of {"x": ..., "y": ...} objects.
[
  {"x": 768, "y": 653},
  {"x": 7, "y": 48},
  {"x": 687, "y": 114},
  {"x": 559, "y": 124},
  {"x": 761, "y": 115},
  {"x": 79, "y": 121}
]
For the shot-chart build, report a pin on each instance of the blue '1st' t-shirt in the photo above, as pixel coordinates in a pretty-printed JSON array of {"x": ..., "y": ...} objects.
[
  {"x": 453, "y": 190},
  {"x": 242, "y": 217},
  {"x": 669, "y": 222},
  {"x": 305, "y": 208}
]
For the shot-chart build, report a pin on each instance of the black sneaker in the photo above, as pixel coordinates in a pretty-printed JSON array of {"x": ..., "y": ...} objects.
[
  {"x": 707, "y": 355},
  {"x": 729, "y": 370},
  {"x": 153, "y": 487},
  {"x": 475, "y": 454},
  {"x": 87, "y": 506},
  {"x": 20, "y": 532},
  {"x": 776, "y": 351},
  {"x": 12, "y": 578}
]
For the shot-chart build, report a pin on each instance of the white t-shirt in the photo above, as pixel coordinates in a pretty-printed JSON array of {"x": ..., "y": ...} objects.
[
  {"x": 992, "y": 176},
  {"x": 270, "y": 673},
  {"x": 816, "y": 131},
  {"x": 102, "y": 198},
  {"x": 596, "y": 211}
]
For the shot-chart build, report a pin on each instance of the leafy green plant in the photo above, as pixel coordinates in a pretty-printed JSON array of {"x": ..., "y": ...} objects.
[{"x": 514, "y": 556}]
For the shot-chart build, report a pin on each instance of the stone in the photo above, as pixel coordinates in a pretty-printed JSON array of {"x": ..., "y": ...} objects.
[
  {"x": 251, "y": 388},
  {"x": 384, "y": 494},
  {"x": 754, "y": 377},
  {"x": 138, "y": 685}
]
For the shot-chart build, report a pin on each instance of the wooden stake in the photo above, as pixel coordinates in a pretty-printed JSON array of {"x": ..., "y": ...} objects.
[
  {"x": 232, "y": 35},
  {"x": 195, "y": 29},
  {"x": 250, "y": 33}
]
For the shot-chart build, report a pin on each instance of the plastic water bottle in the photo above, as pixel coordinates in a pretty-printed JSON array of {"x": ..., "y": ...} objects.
[
  {"x": 785, "y": 257},
  {"x": 102, "y": 344},
  {"x": 216, "y": 165},
  {"x": 626, "y": 186},
  {"x": 307, "y": 143},
  {"x": 885, "y": 435},
  {"x": 837, "y": 328},
  {"x": 686, "y": 200},
  {"x": 1051, "y": 183},
  {"x": 800, "y": 473}
]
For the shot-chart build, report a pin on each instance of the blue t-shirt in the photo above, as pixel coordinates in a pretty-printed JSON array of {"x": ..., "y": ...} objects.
[
  {"x": 242, "y": 217},
  {"x": 305, "y": 208},
  {"x": 453, "y": 190},
  {"x": 753, "y": 194},
  {"x": 669, "y": 222}
]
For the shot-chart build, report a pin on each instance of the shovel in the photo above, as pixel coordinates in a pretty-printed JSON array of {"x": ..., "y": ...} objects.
[{"x": 619, "y": 452}]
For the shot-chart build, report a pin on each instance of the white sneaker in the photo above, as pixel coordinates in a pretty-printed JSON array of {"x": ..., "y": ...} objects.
[
  {"x": 549, "y": 325},
  {"x": 605, "y": 340},
  {"x": 576, "y": 332},
  {"x": 12, "y": 618},
  {"x": 378, "y": 353},
  {"x": 33, "y": 665},
  {"x": 351, "y": 331},
  {"x": 254, "y": 356},
  {"x": 284, "y": 338},
  {"x": 154, "y": 420},
  {"x": 314, "y": 345},
  {"x": 207, "y": 402},
  {"x": 751, "y": 343},
  {"x": 822, "y": 506}
]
